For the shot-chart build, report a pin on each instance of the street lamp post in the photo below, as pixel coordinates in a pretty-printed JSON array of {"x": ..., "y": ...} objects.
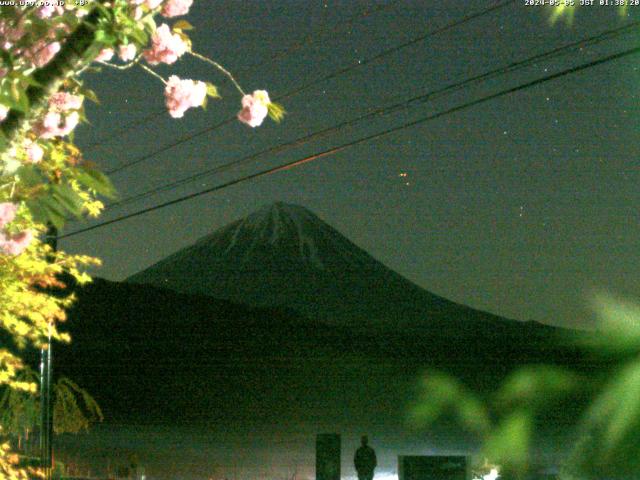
[{"x": 46, "y": 418}]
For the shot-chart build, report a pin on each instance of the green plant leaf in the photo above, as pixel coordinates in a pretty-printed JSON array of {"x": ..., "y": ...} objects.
[
  {"x": 183, "y": 25},
  {"x": 44, "y": 209},
  {"x": 67, "y": 198},
  {"x": 276, "y": 111},
  {"x": 96, "y": 180},
  {"x": 90, "y": 94},
  {"x": 30, "y": 176},
  {"x": 536, "y": 385},
  {"x": 441, "y": 394},
  {"x": 212, "y": 90},
  {"x": 508, "y": 443}
]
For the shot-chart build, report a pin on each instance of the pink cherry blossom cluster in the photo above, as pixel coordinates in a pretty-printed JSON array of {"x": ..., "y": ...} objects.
[
  {"x": 166, "y": 47},
  {"x": 126, "y": 53},
  {"x": 150, "y": 4},
  {"x": 176, "y": 8},
  {"x": 10, "y": 33},
  {"x": 62, "y": 116},
  {"x": 41, "y": 52},
  {"x": 56, "y": 124},
  {"x": 255, "y": 108},
  {"x": 170, "y": 8},
  {"x": 12, "y": 244},
  {"x": 65, "y": 101},
  {"x": 49, "y": 9},
  {"x": 34, "y": 151},
  {"x": 180, "y": 95}
]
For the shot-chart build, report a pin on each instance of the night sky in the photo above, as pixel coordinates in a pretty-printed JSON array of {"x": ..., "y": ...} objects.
[{"x": 523, "y": 206}]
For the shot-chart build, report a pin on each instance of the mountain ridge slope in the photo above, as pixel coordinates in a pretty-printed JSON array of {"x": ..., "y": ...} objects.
[{"x": 285, "y": 256}]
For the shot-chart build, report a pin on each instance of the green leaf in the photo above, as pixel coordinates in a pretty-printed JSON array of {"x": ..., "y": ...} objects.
[
  {"x": 276, "y": 111},
  {"x": 105, "y": 38},
  {"x": 90, "y": 94},
  {"x": 29, "y": 80},
  {"x": 44, "y": 210},
  {"x": 619, "y": 327},
  {"x": 67, "y": 198},
  {"x": 508, "y": 444},
  {"x": 96, "y": 180},
  {"x": 536, "y": 385},
  {"x": 441, "y": 394},
  {"x": 212, "y": 90},
  {"x": 182, "y": 25},
  {"x": 30, "y": 176},
  {"x": 139, "y": 36},
  {"x": 19, "y": 97},
  {"x": 614, "y": 418}
]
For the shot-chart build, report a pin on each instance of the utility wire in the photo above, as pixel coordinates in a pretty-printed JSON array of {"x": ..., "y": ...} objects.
[
  {"x": 313, "y": 36},
  {"x": 295, "y": 163},
  {"x": 191, "y": 136},
  {"x": 404, "y": 45},
  {"x": 432, "y": 95}
]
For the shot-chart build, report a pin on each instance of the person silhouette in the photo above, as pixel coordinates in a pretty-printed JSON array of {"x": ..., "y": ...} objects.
[{"x": 365, "y": 460}]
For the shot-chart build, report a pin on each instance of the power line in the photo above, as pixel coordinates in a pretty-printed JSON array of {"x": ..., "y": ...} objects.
[
  {"x": 367, "y": 138},
  {"x": 276, "y": 56},
  {"x": 191, "y": 136},
  {"x": 406, "y": 44},
  {"x": 609, "y": 34},
  {"x": 311, "y": 38}
]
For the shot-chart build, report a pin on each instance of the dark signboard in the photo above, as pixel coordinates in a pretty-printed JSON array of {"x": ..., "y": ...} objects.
[
  {"x": 328, "y": 456},
  {"x": 419, "y": 467}
]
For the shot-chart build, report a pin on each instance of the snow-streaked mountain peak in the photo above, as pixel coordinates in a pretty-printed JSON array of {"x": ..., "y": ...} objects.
[{"x": 285, "y": 255}]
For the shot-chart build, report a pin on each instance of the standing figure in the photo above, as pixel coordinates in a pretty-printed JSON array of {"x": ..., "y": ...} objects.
[{"x": 365, "y": 460}]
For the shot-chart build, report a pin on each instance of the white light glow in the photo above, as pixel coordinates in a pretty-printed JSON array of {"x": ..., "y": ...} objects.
[
  {"x": 492, "y": 475},
  {"x": 377, "y": 476}
]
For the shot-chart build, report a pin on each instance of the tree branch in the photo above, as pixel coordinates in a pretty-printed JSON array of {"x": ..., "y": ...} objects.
[{"x": 51, "y": 76}]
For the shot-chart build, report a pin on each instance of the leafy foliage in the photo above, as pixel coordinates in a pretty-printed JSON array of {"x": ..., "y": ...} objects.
[
  {"x": 607, "y": 431},
  {"x": 74, "y": 409}
]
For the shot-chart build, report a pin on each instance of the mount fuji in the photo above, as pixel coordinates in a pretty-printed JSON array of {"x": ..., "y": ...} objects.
[
  {"x": 283, "y": 255},
  {"x": 279, "y": 316}
]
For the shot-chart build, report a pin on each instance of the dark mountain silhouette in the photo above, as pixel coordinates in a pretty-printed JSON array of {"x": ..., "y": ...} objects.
[
  {"x": 157, "y": 356},
  {"x": 308, "y": 328},
  {"x": 284, "y": 255}
]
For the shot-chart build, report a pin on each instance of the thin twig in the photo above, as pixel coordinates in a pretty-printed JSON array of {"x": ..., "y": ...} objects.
[
  {"x": 219, "y": 67},
  {"x": 147, "y": 69},
  {"x": 126, "y": 66}
]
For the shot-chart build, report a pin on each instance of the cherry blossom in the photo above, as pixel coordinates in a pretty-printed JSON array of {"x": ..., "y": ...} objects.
[
  {"x": 7, "y": 213},
  {"x": 254, "y": 108},
  {"x": 151, "y": 4},
  {"x": 10, "y": 33},
  {"x": 4, "y": 111},
  {"x": 49, "y": 9},
  {"x": 181, "y": 95},
  {"x": 15, "y": 244},
  {"x": 175, "y": 8},
  {"x": 65, "y": 101},
  {"x": 127, "y": 52},
  {"x": 41, "y": 52},
  {"x": 105, "y": 55},
  {"x": 166, "y": 47},
  {"x": 55, "y": 124},
  {"x": 34, "y": 153}
]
